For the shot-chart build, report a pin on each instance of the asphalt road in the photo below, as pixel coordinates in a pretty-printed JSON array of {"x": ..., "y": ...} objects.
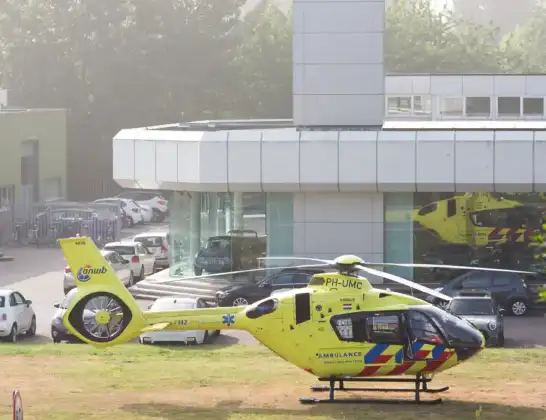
[{"x": 38, "y": 274}]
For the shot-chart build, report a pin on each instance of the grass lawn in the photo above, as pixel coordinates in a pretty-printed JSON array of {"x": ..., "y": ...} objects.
[{"x": 65, "y": 382}]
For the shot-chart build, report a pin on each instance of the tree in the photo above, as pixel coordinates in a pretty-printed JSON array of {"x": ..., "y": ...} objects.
[
  {"x": 523, "y": 49},
  {"x": 264, "y": 63},
  {"x": 118, "y": 64},
  {"x": 419, "y": 39},
  {"x": 502, "y": 14}
]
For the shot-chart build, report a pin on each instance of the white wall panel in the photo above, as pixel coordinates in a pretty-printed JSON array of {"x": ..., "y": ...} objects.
[
  {"x": 512, "y": 85},
  {"x": 396, "y": 161},
  {"x": 213, "y": 161},
  {"x": 514, "y": 161},
  {"x": 474, "y": 161},
  {"x": 281, "y": 160},
  {"x": 474, "y": 85},
  {"x": 319, "y": 161},
  {"x": 244, "y": 149},
  {"x": 358, "y": 161},
  {"x": 145, "y": 164},
  {"x": 123, "y": 159},
  {"x": 435, "y": 161},
  {"x": 446, "y": 85},
  {"x": 166, "y": 154},
  {"x": 539, "y": 166}
]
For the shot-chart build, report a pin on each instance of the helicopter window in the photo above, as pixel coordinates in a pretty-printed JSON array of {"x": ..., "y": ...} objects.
[
  {"x": 429, "y": 208},
  {"x": 303, "y": 307},
  {"x": 378, "y": 328},
  {"x": 384, "y": 329},
  {"x": 422, "y": 328},
  {"x": 263, "y": 308},
  {"x": 451, "y": 207}
]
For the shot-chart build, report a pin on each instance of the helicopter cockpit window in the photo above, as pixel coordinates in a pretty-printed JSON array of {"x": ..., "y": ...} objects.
[
  {"x": 422, "y": 328},
  {"x": 263, "y": 308},
  {"x": 344, "y": 328}
]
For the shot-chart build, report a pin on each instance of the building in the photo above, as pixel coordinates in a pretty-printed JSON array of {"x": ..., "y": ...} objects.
[
  {"x": 33, "y": 159},
  {"x": 343, "y": 176}
]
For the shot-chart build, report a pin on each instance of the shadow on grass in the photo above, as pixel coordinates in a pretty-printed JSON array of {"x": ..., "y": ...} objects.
[
  {"x": 213, "y": 343},
  {"x": 449, "y": 410}
]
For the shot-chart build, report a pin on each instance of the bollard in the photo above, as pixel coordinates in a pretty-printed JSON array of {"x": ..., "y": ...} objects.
[{"x": 17, "y": 405}]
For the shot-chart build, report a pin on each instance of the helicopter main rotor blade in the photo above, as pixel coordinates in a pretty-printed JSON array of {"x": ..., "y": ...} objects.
[
  {"x": 205, "y": 276},
  {"x": 298, "y": 259},
  {"x": 405, "y": 282},
  {"x": 453, "y": 267}
]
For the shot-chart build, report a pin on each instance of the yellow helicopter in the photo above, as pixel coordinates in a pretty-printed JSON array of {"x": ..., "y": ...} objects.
[{"x": 339, "y": 328}]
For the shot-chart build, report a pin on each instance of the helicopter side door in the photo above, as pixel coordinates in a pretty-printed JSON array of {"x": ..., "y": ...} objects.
[{"x": 421, "y": 337}]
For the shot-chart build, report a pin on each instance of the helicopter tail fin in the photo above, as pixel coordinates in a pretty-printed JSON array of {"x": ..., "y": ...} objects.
[{"x": 103, "y": 312}]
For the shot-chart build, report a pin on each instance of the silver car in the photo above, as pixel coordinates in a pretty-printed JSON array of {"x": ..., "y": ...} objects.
[
  {"x": 158, "y": 244},
  {"x": 121, "y": 266}
]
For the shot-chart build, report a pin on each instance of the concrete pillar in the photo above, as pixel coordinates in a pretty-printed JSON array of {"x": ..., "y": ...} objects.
[
  {"x": 238, "y": 211},
  {"x": 338, "y": 62},
  {"x": 228, "y": 213},
  {"x": 195, "y": 225},
  {"x": 213, "y": 214}
]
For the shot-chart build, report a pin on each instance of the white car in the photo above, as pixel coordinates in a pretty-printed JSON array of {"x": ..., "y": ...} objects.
[
  {"x": 120, "y": 265},
  {"x": 154, "y": 200},
  {"x": 187, "y": 337},
  {"x": 132, "y": 209},
  {"x": 147, "y": 213},
  {"x": 141, "y": 260},
  {"x": 16, "y": 315},
  {"x": 158, "y": 243}
]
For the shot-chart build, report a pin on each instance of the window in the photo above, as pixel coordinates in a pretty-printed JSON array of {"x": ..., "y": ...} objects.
[
  {"x": 2, "y": 302},
  {"x": 422, "y": 328},
  {"x": 384, "y": 328},
  {"x": 451, "y": 207},
  {"x": 283, "y": 279},
  {"x": 502, "y": 279},
  {"x": 302, "y": 278},
  {"x": 509, "y": 106},
  {"x": 422, "y": 105},
  {"x": 471, "y": 307},
  {"x": 12, "y": 301},
  {"x": 122, "y": 250},
  {"x": 533, "y": 106},
  {"x": 19, "y": 299},
  {"x": 478, "y": 106},
  {"x": 451, "y": 107},
  {"x": 479, "y": 281},
  {"x": 399, "y": 105},
  {"x": 114, "y": 258}
]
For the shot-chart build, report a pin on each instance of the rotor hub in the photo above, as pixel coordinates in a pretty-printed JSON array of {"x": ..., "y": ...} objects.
[{"x": 103, "y": 317}]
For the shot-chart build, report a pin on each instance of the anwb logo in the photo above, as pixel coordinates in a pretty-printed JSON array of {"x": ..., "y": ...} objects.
[{"x": 85, "y": 273}]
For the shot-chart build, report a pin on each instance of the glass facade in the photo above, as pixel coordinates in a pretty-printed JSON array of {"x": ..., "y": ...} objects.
[
  {"x": 222, "y": 232},
  {"x": 482, "y": 229}
]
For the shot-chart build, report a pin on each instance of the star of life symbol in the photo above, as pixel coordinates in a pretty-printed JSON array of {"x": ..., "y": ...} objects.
[{"x": 228, "y": 320}]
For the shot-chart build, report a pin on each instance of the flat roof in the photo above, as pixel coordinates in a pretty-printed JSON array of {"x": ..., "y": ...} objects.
[
  {"x": 469, "y": 125},
  {"x": 216, "y": 125}
]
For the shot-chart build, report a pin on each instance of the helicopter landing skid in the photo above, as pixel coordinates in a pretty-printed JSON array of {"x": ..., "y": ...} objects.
[{"x": 420, "y": 386}]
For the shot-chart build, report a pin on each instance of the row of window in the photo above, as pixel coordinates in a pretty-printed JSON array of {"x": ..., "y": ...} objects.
[{"x": 459, "y": 107}]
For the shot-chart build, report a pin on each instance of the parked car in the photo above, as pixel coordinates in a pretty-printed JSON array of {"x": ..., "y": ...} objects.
[
  {"x": 58, "y": 330},
  {"x": 16, "y": 315},
  {"x": 141, "y": 260},
  {"x": 154, "y": 200},
  {"x": 238, "y": 250},
  {"x": 120, "y": 265},
  {"x": 132, "y": 210},
  {"x": 483, "y": 312},
  {"x": 147, "y": 213},
  {"x": 510, "y": 290},
  {"x": 158, "y": 243},
  {"x": 186, "y": 337},
  {"x": 248, "y": 293}
]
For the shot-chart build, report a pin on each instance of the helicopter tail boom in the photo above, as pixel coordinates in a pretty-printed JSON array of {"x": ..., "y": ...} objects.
[{"x": 195, "y": 319}]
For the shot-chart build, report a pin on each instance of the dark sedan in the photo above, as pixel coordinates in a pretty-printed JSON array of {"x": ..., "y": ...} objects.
[
  {"x": 483, "y": 313},
  {"x": 248, "y": 293},
  {"x": 58, "y": 330}
]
